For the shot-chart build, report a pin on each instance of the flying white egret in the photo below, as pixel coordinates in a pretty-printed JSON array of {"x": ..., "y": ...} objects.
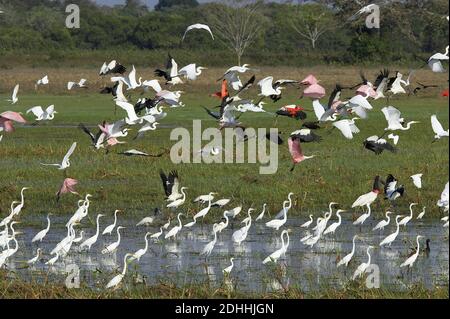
[
  {"x": 394, "y": 138},
  {"x": 198, "y": 26},
  {"x": 14, "y": 97},
  {"x": 42, "y": 81},
  {"x": 383, "y": 223},
  {"x": 261, "y": 215},
  {"x": 132, "y": 117},
  {"x": 80, "y": 84},
  {"x": 407, "y": 219},
  {"x": 191, "y": 71},
  {"x": 65, "y": 162},
  {"x": 279, "y": 252},
  {"x": 176, "y": 229},
  {"x": 395, "y": 122},
  {"x": 417, "y": 180},
  {"x": 114, "y": 283},
  {"x": 227, "y": 270},
  {"x": 362, "y": 268},
  {"x": 348, "y": 257},
  {"x": 332, "y": 228},
  {"x": 444, "y": 200},
  {"x": 129, "y": 80},
  {"x": 41, "y": 115},
  {"x": 422, "y": 213},
  {"x": 92, "y": 240},
  {"x": 267, "y": 88},
  {"x": 391, "y": 238},
  {"x": 111, "y": 248},
  {"x": 307, "y": 223},
  {"x": 110, "y": 228},
  {"x": 40, "y": 235},
  {"x": 347, "y": 127},
  {"x": 437, "y": 128},
  {"x": 141, "y": 252},
  {"x": 411, "y": 260}
]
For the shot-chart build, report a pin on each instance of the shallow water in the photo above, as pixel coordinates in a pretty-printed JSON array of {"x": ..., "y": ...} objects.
[{"x": 179, "y": 261}]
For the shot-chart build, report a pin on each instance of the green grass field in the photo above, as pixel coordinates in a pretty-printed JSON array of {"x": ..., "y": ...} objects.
[{"x": 341, "y": 171}]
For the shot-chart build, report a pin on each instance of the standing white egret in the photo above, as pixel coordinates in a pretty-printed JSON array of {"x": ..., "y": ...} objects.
[
  {"x": 177, "y": 203},
  {"x": 114, "y": 283},
  {"x": 410, "y": 261},
  {"x": 111, "y": 248},
  {"x": 348, "y": 257},
  {"x": 53, "y": 260},
  {"x": 417, "y": 180},
  {"x": 261, "y": 215},
  {"x": 406, "y": 220},
  {"x": 307, "y": 223},
  {"x": 141, "y": 252},
  {"x": 166, "y": 225},
  {"x": 437, "y": 128},
  {"x": 241, "y": 234},
  {"x": 383, "y": 223},
  {"x": 362, "y": 268},
  {"x": 176, "y": 229},
  {"x": 19, "y": 207},
  {"x": 202, "y": 213},
  {"x": 332, "y": 228},
  {"x": 146, "y": 221},
  {"x": 277, "y": 223},
  {"x": 361, "y": 219},
  {"x": 190, "y": 224},
  {"x": 207, "y": 250},
  {"x": 279, "y": 252},
  {"x": 65, "y": 162},
  {"x": 8, "y": 218},
  {"x": 157, "y": 234},
  {"x": 444, "y": 200},
  {"x": 420, "y": 216},
  {"x": 222, "y": 225},
  {"x": 390, "y": 239},
  {"x": 110, "y": 228},
  {"x": 434, "y": 62},
  {"x": 227, "y": 270},
  {"x": 40, "y": 235},
  {"x": 92, "y": 240},
  {"x": 33, "y": 260}
]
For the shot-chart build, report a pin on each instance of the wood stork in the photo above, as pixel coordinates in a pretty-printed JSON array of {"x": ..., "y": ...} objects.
[
  {"x": 378, "y": 145},
  {"x": 171, "y": 184},
  {"x": 391, "y": 190},
  {"x": 112, "y": 67},
  {"x": 66, "y": 160},
  {"x": 130, "y": 80},
  {"x": 171, "y": 73}
]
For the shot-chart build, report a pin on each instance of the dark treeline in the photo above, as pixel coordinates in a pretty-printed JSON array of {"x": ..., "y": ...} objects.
[{"x": 286, "y": 33}]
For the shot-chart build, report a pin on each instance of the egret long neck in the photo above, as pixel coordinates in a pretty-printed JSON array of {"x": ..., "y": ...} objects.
[
  {"x": 98, "y": 226},
  {"x": 124, "y": 265}
]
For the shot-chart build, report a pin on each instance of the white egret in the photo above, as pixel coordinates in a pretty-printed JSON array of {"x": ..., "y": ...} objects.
[
  {"x": 420, "y": 216},
  {"x": 221, "y": 202},
  {"x": 176, "y": 229},
  {"x": 114, "y": 283},
  {"x": 434, "y": 62},
  {"x": 383, "y": 223},
  {"x": 332, "y": 228},
  {"x": 347, "y": 127},
  {"x": 222, "y": 225},
  {"x": 227, "y": 270},
  {"x": 407, "y": 219},
  {"x": 307, "y": 223},
  {"x": 437, "y": 128},
  {"x": 241, "y": 234},
  {"x": 146, "y": 221},
  {"x": 157, "y": 234},
  {"x": 14, "y": 97},
  {"x": 41, "y": 115},
  {"x": 92, "y": 240},
  {"x": 261, "y": 215},
  {"x": 348, "y": 257},
  {"x": 33, "y": 260},
  {"x": 40, "y": 235},
  {"x": 234, "y": 212},
  {"x": 53, "y": 260},
  {"x": 42, "y": 81},
  {"x": 141, "y": 252},
  {"x": 279, "y": 252},
  {"x": 411, "y": 260},
  {"x": 207, "y": 250},
  {"x": 66, "y": 160},
  {"x": 444, "y": 200},
  {"x": 166, "y": 225},
  {"x": 361, "y": 219},
  {"x": 110, "y": 228},
  {"x": 111, "y": 248},
  {"x": 202, "y": 213},
  {"x": 80, "y": 84},
  {"x": 191, "y": 71},
  {"x": 198, "y": 26},
  {"x": 395, "y": 122},
  {"x": 19, "y": 207},
  {"x": 390, "y": 239},
  {"x": 362, "y": 268},
  {"x": 394, "y": 138},
  {"x": 417, "y": 180},
  {"x": 177, "y": 203}
]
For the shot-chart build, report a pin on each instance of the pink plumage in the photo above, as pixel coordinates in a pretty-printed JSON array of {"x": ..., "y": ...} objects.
[
  {"x": 68, "y": 186},
  {"x": 309, "y": 80},
  {"x": 314, "y": 91},
  {"x": 365, "y": 90},
  {"x": 7, "y": 118}
]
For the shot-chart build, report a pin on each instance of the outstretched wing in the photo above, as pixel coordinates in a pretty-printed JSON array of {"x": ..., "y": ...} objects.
[
  {"x": 436, "y": 125},
  {"x": 70, "y": 151}
]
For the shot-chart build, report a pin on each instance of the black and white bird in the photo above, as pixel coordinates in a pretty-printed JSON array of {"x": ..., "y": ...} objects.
[
  {"x": 42, "y": 81},
  {"x": 392, "y": 191},
  {"x": 171, "y": 74},
  {"x": 171, "y": 185},
  {"x": 378, "y": 145},
  {"x": 97, "y": 139},
  {"x": 306, "y": 135},
  {"x": 112, "y": 67}
]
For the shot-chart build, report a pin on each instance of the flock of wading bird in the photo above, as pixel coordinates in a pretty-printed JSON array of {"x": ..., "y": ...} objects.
[{"x": 148, "y": 112}]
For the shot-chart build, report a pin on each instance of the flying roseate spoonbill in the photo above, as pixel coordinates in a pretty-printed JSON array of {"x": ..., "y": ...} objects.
[
  {"x": 7, "y": 118},
  {"x": 370, "y": 197},
  {"x": 296, "y": 151},
  {"x": 378, "y": 145},
  {"x": 395, "y": 122},
  {"x": 411, "y": 260},
  {"x": 444, "y": 201},
  {"x": 171, "y": 184},
  {"x": 66, "y": 160},
  {"x": 314, "y": 91},
  {"x": 68, "y": 186},
  {"x": 198, "y": 26},
  {"x": 348, "y": 257},
  {"x": 437, "y": 128},
  {"x": 434, "y": 62},
  {"x": 14, "y": 98},
  {"x": 362, "y": 268}
]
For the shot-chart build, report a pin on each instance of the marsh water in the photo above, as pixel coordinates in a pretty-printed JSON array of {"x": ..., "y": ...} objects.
[{"x": 178, "y": 261}]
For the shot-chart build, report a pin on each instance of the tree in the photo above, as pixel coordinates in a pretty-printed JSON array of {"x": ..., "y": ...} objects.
[
  {"x": 311, "y": 21},
  {"x": 166, "y": 4},
  {"x": 236, "y": 23}
]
